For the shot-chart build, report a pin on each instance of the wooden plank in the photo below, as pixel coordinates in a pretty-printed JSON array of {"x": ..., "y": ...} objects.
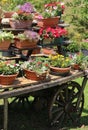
[{"x": 28, "y": 88}]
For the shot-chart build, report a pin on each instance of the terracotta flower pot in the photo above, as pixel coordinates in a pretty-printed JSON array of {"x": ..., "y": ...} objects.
[
  {"x": 33, "y": 76},
  {"x": 4, "y": 45},
  {"x": 76, "y": 66},
  {"x": 48, "y": 22},
  {"x": 20, "y": 24},
  {"x": 22, "y": 44},
  {"x": 8, "y": 14},
  {"x": 60, "y": 71},
  {"x": 47, "y": 51},
  {"x": 7, "y": 79}
]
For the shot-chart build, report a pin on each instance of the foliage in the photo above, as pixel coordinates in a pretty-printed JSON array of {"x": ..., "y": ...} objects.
[
  {"x": 74, "y": 47},
  {"x": 59, "y": 61},
  {"x": 37, "y": 64},
  {"x": 76, "y": 14},
  {"x": 8, "y": 68},
  {"x": 84, "y": 45},
  {"x": 6, "y": 36}
]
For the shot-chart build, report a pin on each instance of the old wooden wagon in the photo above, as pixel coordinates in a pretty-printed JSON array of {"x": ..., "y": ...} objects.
[{"x": 64, "y": 96}]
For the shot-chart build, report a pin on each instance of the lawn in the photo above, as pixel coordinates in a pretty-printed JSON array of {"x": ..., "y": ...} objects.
[{"x": 26, "y": 118}]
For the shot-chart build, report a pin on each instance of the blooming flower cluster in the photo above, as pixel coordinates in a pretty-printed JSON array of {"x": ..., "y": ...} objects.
[
  {"x": 59, "y": 61},
  {"x": 54, "y": 4},
  {"x": 54, "y": 9},
  {"x": 50, "y": 32},
  {"x": 29, "y": 35},
  {"x": 20, "y": 15},
  {"x": 38, "y": 65},
  {"x": 8, "y": 68},
  {"x": 27, "y": 7}
]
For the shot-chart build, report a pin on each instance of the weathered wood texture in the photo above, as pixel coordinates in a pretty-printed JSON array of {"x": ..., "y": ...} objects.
[{"x": 23, "y": 85}]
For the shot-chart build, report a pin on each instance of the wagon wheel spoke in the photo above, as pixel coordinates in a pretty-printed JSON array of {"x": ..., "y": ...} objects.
[
  {"x": 57, "y": 110},
  {"x": 75, "y": 96},
  {"x": 55, "y": 120},
  {"x": 66, "y": 94},
  {"x": 64, "y": 104}
]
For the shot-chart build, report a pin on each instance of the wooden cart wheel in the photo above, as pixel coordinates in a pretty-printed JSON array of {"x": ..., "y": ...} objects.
[{"x": 63, "y": 106}]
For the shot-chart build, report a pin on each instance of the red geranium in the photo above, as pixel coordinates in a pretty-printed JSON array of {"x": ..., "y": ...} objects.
[{"x": 50, "y": 32}]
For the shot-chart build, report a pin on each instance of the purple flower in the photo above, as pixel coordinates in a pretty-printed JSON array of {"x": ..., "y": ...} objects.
[{"x": 27, "y": 7}]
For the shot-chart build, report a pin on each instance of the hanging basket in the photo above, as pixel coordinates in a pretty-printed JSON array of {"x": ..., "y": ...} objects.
[
  {"x": 48, "y": 22},
  {"x": 22, "y": 44},
  {"x": 60, "y": 71},
  {"x": 4, "y": 45},
  {"x": 7, "y": 79},
  {"x": 33, "y": 76},
  {"x": 20, "y": 24}
]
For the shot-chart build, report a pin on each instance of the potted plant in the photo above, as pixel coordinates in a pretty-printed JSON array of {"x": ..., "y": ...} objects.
[
  {"x": 6, "y": 38},
  {"x": 28, "y": 39},
  {"x": 73, "y": 48},
  {"x": 60, "y": 64},
  {"x": 23, "y": 17},
  {"x": 79, "y": 61},
  {"x": 52, "y": 35},
  {"x": 50, "y": 15},
  {"x": 8, "y": 72},
  {"x": 36, "y": 68},
  {"x": 21, "y": 20}
]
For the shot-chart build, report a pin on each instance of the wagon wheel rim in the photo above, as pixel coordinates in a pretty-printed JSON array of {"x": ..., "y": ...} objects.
[{"x": 63, "y": 105}]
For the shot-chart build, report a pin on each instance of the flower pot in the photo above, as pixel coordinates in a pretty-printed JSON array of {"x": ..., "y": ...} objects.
[
  {"x": 7, "y": 79},
  {"x": 4, "y": 45},
  {"x": 47, "y": 51},
  {"x": 37, "y": 50},
  {"x": 58, "y": 41},
  {"x": 60, "y": 71},
  {"x": 22, "y": 44},
  {"x": 33, "y": 76},
  {"x": 20, "y": 24},
  {"x": 76, "y": 66},
  {"x": 48, "y": 22},
  {"x": 8, "y": 14}
]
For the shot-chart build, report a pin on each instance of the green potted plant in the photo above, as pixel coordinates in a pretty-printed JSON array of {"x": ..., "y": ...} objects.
[
  {"x": 79, "y": 61},
  {"x": 60, "y": 64},
  {"x": 28, "y": 39},
  {"x": 6, "y": 38},
  {"x": 8, "y": 72},
  {"x": 36, "y": 68}
]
